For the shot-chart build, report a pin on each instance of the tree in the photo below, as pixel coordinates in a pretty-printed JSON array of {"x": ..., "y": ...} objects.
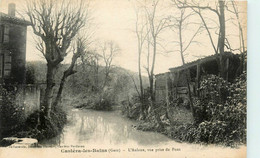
[
  {"x": 242, "y": 48},
  {"x": 56, "y": 24},
  {"x": 156, "y": 26},
  {"x": 141, "y": 35},
  {"x": 109, "y": 50},
  {"x": 220, "y": 12},
  {"x": 179, "y": 27},
  {"x": 149, "y": 25},
  {"x": 80, "y": 49}
]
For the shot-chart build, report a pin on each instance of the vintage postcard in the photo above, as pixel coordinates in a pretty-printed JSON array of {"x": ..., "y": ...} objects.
[{"x": 123, "y": 78}]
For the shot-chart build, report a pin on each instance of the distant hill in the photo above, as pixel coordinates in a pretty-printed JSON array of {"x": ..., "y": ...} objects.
[{"x": 37, "y": 72}]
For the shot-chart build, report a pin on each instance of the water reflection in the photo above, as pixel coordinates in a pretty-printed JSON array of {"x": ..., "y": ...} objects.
[{"x": 95, "y": 127}]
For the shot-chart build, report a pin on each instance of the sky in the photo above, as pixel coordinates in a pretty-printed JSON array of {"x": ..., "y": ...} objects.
[
  {"x": 115, "y": 20},
  {"x": 121, "y": 13}
]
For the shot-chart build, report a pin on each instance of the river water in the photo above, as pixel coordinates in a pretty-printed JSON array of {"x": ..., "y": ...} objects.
[
  {"x": 98, "y": 127},
  {"x": 110, "y": 129}
]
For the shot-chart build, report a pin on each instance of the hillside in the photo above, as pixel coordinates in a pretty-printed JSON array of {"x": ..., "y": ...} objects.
[{"x": 87, "y": 80}]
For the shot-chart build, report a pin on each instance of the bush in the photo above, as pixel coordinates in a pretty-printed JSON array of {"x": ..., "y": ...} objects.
[
  {"x": 12, "y": 114},
  {"x": 132, "y": 107},
  {"x": 30, "y": 74},
  {"x": 14, "y": 123},
  {"x": 221, "y": 112},
  {"x": 97, "y": 101},
  {"x": 40, "y": 127},
  {"x": 103, "y": 101}
]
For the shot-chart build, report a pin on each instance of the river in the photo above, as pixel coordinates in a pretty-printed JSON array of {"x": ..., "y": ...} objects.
[{"x": 111, "y": 129}]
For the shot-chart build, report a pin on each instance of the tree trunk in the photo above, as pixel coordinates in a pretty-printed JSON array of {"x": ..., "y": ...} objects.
[
  {"x": 58, "y": 97},
  {"x": 222, "y": 37},
  {"x": 47, "y": 100},
  {"x": 66, "y": 74},
  {"x": 198, "y": 80},
  {"x": 168, "y": 89},
  {"x": 156, "y": 115},
  {"x": 151, "y": 87},
  {"x": 183, "y": 63},
  {"x": 152, "y": 70},
  {"x": 189, "y": 91},
  {"x": 140, "y": 80}
]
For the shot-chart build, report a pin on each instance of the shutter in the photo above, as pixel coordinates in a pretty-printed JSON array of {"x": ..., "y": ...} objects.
[
  {"x": 1, "y": 33},
  {"x": 6, "y": 34},
  {"x": 1, "y": 65},
  {"x": 7, "y": 63}
]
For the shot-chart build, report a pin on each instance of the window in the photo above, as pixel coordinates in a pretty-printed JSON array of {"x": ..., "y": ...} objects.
[
  {"x": 4, "y": 34},
  {"x": 1, "y": 33},
  {"x": 7, "y": 63},
  {"x": 1, "y": 65}
]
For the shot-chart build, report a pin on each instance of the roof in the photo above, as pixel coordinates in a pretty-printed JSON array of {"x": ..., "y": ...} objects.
[
  {"x": 12, "y": 19},
  {"x": 202, "y": 60}
]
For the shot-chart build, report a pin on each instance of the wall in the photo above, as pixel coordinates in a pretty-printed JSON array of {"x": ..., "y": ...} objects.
[
  {"x": 160, "y": 87},
  {"x": 18, "y": 49},
  {"x": 29, "y": 97},
  {"x": 12, "y": 49},
  {"x": 172, "y": 85}
]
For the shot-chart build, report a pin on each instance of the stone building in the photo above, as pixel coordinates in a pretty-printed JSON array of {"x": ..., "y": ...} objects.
[
  {"x": 13, "y": 32},
  {"x": 12, "y": 47},
  {"x": 173, "y": 84}
]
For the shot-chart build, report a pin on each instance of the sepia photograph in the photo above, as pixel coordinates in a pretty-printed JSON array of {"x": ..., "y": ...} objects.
[{"x": 123, "y": 78}]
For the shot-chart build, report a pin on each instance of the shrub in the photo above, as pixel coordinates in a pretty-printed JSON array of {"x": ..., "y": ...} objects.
[
  {"x": 103, "y": 101},
  {"x": 30, "y": 74},
  {"x": 221, "y": 113},
  {"x": 135, "y": 109},
  {"x": 12, "y": 114},
  {"x": 40, "y": 127}
]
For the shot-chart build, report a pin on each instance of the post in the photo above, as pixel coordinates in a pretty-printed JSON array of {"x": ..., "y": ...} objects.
[
  {"x": 227, "y": 67},
  {"x": 198, "y": 79},
  {"x": 167, "y": 89}
]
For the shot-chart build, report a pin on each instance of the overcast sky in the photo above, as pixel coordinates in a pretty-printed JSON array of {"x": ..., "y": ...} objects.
[{"x": 115, "y": 20}]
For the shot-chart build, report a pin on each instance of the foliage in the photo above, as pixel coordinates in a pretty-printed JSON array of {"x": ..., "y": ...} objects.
[
  {"x": 103, "y": 101},
  {"x": 220, "y": 113},
  {"x": 40, "y": 127},
  {"x": 86, "y": 87},
  {"x": 131, "y": 108},
  {"x": 30, "y": 74},
  {"x": 14, "y": 122},
  {"x": 12, "y": 114}
]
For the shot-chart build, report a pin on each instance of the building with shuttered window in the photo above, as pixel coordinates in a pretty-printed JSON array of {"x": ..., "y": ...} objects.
[
  {"x": 13, "y": 32},
  {"x": 25, "y": 96}
]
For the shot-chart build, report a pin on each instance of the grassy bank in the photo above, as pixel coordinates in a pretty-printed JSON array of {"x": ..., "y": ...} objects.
[
  {"x": 14, "y": 122},
  {"x": 219, "y": 118}
]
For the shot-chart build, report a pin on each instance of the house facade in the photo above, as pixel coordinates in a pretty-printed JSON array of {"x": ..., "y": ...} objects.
[
  {"x": 13, "y": 32},
  {"x": 12, "y": 47}
]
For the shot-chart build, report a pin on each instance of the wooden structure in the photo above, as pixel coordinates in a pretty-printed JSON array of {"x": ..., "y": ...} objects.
[{"x": 173, "y": 84}]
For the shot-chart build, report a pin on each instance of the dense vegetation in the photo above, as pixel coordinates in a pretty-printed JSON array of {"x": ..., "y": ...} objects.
[
  {"x": 14, "y": 121},
  {"x": 220, "y": 114},
  {"x": 12, "y": 116},
  {"x": 84, "y": 89}
]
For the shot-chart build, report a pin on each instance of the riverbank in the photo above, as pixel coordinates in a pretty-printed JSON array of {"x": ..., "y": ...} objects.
[{"x": 90, "y": 129}]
